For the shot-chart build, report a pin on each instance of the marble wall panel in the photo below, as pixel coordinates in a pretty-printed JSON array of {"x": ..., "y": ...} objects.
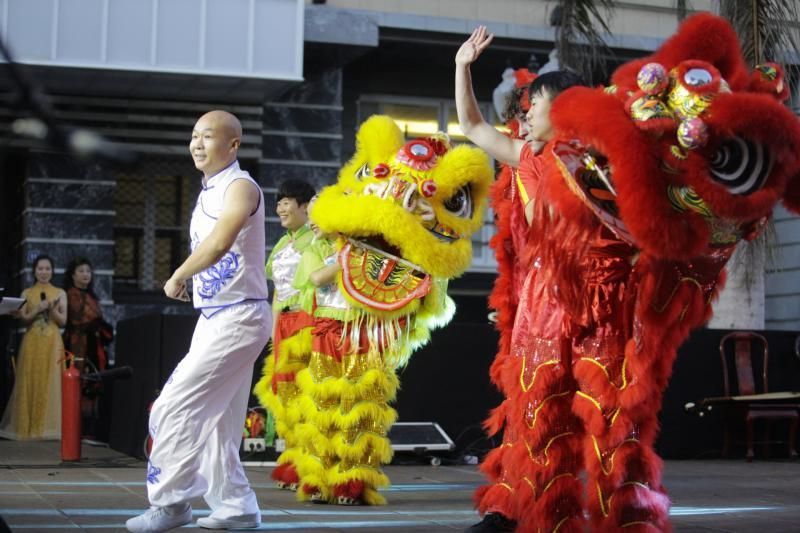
[
  {"x": 69, "y": 226},
  {"x": 321, "y": 88},
  {"x": 69, "y": 195},
  {"x": 301, "y": 148},
  {"x": 302, "y": 119},
  {"x": 57, "y": 165},
  {"x": 274, "y": 173}
]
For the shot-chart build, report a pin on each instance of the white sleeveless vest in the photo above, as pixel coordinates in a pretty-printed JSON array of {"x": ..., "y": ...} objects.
[
  {"x": 284, "y": 266},
  {"x": 239, "y": 275}
]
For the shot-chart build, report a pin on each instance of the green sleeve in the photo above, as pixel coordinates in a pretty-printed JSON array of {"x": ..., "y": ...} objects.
[
  {"x": 304, "y": 239},
  {"x": 311, "y": 261}
]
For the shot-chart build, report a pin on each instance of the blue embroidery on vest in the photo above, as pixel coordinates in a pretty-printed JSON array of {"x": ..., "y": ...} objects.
[
  {"x": 152, "y": 473},
  {"x": 214, "y": 278}
]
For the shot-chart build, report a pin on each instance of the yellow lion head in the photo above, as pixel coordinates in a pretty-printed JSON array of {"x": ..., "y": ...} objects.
[{"x": 406, "y": 212}]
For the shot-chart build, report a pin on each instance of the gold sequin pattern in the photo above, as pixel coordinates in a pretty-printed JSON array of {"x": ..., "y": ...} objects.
[
  {"x": 353, "y": 433},
  {"x": 370, "y": 460}
]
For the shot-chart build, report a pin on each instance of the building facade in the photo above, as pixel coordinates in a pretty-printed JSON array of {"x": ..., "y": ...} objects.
[{"x": 300, "y": 75}]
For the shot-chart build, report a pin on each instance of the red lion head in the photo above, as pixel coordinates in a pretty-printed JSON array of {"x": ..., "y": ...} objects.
[{"x": 687, "y": 150}]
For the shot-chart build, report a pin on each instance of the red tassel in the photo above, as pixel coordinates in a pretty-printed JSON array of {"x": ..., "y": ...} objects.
[
  {"x": 352, "y": 489},
  {"x": 286, "y": 472}
]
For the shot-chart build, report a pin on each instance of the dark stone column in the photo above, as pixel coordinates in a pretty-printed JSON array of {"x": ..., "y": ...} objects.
[
  {"x": 68, "y": 212},
  {"x": 302, "y": 138}
]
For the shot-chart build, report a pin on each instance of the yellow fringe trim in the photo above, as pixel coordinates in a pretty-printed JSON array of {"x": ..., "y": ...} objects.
[
  {"x": 295, "y": 349},
  {"x": 367, "y": 443},
  {"x": 290, "y": 455},
  {"x": 263, "y": 389},
  {"x": 372, "y": 497},
  {"x": 312, "y": 472},
  {"x": 372, "y": 477},
  {"x": 373, "y": 385},
  {"x": 314, "y": 440}
]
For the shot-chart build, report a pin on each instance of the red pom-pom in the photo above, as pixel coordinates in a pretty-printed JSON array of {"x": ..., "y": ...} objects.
[{"x": 381, "y": 170}]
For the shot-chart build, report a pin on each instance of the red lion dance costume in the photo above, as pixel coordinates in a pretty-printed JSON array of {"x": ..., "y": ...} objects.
[
  {"x": 649, "y": 185},
  {"x": 509, "y": 240}
]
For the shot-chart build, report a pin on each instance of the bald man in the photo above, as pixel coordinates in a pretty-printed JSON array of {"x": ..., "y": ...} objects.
[{"x": 196, "y": 423}]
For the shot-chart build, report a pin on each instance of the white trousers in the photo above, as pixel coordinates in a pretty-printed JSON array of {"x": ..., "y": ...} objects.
[{"x": 197, "y": 421}]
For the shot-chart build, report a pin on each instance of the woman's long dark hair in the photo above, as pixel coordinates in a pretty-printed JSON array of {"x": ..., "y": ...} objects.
[
  {"x": 72, "y": 267},
  {"x": 43, "y": 257}
]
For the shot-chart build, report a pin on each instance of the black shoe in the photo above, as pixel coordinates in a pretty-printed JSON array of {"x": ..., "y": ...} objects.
[{"x": 492, "y": 523}]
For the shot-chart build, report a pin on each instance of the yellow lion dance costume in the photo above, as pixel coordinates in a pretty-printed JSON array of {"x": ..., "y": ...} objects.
[{"x": 404, "y": 213}]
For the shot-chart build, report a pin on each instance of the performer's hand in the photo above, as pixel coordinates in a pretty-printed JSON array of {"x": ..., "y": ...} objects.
[
  {"x": 176, "y": 289},
  {"x": 474, "y": 46}
]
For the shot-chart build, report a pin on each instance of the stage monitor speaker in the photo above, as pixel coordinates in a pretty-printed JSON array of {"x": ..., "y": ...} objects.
[
  {"x": 152, "y": 345},
  {"x": 419, "y": 437}
]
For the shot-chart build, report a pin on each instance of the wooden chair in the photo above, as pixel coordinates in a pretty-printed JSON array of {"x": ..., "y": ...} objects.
[{"x": 749, "y": 400}]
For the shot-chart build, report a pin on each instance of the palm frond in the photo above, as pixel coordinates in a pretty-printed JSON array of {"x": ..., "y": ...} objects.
[
  {"x": 681, "y": 8},
  {"x": 579, "y": 34},
  {"x": 769, "y": 30}
]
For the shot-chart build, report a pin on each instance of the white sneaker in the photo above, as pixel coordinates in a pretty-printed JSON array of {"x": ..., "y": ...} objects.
[
  {"x": 244, "y": 521},
  {"x": 157, "y": 519}
]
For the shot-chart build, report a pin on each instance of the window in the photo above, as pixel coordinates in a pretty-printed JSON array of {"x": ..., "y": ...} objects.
[
  {"x": 153, "y": 207},
  {"x": 424, "y": 116}
]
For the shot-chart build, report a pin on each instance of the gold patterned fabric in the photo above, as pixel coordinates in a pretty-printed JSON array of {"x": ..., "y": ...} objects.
[
  {"x": 347, "y": 388},
  {"x": 34, "y": 409}
]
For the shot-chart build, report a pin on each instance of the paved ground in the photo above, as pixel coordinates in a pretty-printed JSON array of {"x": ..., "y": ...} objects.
[{"x": 39, "y": 494}]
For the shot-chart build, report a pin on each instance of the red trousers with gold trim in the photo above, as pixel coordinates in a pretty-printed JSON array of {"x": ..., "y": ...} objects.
[
  {"x": 277, "y": 390},
  {"x": 566, "y": 379}
]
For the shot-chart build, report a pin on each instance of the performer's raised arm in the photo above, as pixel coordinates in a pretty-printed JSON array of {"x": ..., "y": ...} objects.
[{"x": 472, "y": 123}]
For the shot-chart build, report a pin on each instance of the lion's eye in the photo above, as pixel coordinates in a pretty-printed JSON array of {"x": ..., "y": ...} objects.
[
  {"x": 741, "y": 165},
  {"x": 363, "y": 172},
  {"x": 460, "y": 204}
]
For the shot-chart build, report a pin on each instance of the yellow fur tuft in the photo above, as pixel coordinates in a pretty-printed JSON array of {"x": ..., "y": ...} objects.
[
  {"x": 366, "y": 443},
  {"x": 295, "y": 349},
  {"x": 314, "y": 440},
  {"x": 372, "y": 497},
  {"x": 263, "y": 389},
  {"x": 312, "y": 472}
]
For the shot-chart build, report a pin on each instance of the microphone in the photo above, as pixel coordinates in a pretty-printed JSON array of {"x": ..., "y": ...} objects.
[
  {"x": 120, "y": 372},
  {"x": 43, "y": 297}
]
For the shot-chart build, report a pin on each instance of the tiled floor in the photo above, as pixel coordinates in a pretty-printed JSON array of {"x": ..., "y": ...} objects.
[{"x": 38, "y": 494}]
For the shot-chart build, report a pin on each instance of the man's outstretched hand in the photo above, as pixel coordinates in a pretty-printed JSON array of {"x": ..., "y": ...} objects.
[
  {"x": 474, "y": 46},
  {"x": 176, "y": 289}
]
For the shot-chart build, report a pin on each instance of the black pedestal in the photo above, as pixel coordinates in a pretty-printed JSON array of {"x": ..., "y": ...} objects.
[{"x": 152, "y": 345}]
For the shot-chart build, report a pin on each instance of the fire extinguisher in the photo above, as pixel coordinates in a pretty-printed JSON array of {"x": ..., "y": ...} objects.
[
  {"x": 148, "y": 440},
  {"x": 70, "y": 411}
]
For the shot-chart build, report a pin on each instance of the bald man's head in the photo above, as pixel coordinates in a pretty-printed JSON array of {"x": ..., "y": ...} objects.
[{"x": 215, "y": 142}]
